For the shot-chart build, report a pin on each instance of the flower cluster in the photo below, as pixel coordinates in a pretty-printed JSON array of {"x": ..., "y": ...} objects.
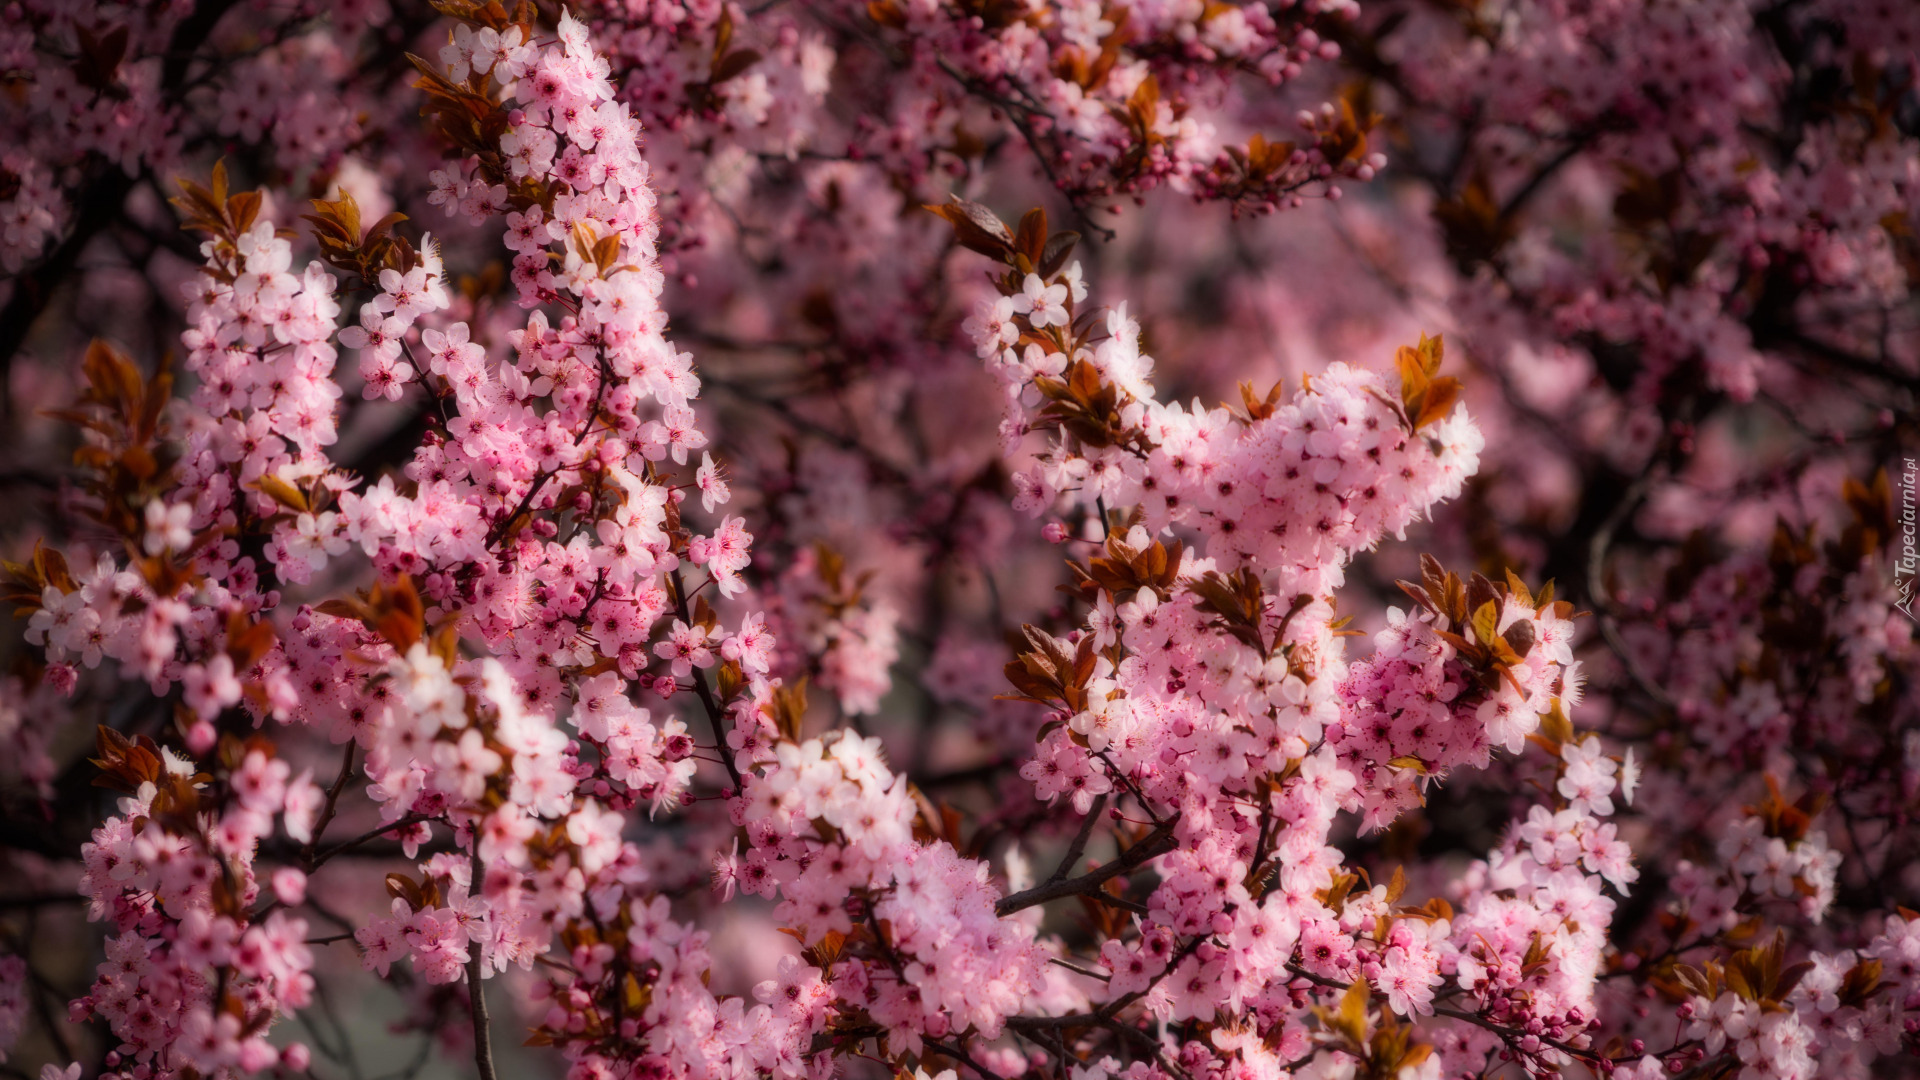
[
  {"x": 104, "y": 100},
  {"x": 1080, "y": 83},
  {"x": 832, "y": 630},
  {"x": 477, "y": 667},
  {"x": 470, "y": 742},
  {"x": 1213, "y": 691},
  {"x": 197, "y": 968},
  {"x": 946, "y": 962},
  {"x": 1687, "y": 120},
  {"x": 1432, "y": 698}
]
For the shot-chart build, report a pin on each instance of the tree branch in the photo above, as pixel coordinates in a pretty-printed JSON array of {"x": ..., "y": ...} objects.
[
  {"x": 97, "y": 205},
  {"x": 406, "y": 822},
  {"x": 476, "y": 991},
  {"x": 1158, "y": 842},
  {"x": 715, "y": 716},
  {"x": 1603, "y": 596}
]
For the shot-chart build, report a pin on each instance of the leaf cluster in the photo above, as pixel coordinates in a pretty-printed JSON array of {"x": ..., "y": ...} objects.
[
  {"x": 125, "y": 763},
  {"x": 1384, "y": 1048},
  {"x": 1140, "y": 116},
  {"x": 1475, "y": 605},
  {"x": 128, "y": 460},
  {"x": 1872, "y": 524},
  {"x": 97, "y": 64},
  {"x": 1257, "y": 172},
  {"x": 1790, "y": 821},
  {"x": 1252, "y": 407},
  {"x": 724, "y": 64},
  {"x": 1033, "y": 250},
  {"x": 1759, "y": 974},
  {"x": 491, "y": 14},
  {"x": 1086, "y": 406},
  {"x": 1425, "y": 395},
  {"x": 362, "y": 254},
  {"x": 222, "y": 215},
  {"x": 1125, "y": 569},
  {"x": 1051, "y": 670},
  {"x": 1071, "y": 62},
  {"x": 467, "y": 115},
  {"x": 1238, "y": 603},
  {"x": 1473, "y": 223},
  {"x": 395, "y": 613},
  {"x": 418, "y": 895}
]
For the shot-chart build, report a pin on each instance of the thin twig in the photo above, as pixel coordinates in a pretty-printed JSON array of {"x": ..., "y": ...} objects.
[
  {"x": 476, "y": 990},
  {"x": 959, "y": 1053},
  {"x": 37, "y": 900},
  {"x": 1158, "y": 842},
  {"x": 1079, "y": 845},
  {"x": 1512, "y": 1035},
  {"x": 1602, "y": 596},
  {"x": 332, "y": 804},
  {"x": 404, "y": 823},
  {"x": 715, "y": 716},
  {"x": 1078, "y": 970}
]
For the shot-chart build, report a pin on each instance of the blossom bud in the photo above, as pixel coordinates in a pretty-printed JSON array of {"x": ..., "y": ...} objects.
[
  {"x": 289, "y": 885},
  {"x": 256, "y": 1054},
  {"x": 200, "y": 737}
]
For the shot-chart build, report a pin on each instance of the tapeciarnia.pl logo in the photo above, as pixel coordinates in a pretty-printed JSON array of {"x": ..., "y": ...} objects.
[{"x": 1907, "y": 566}]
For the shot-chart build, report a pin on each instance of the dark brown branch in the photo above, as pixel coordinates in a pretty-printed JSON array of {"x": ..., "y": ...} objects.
[
  {"x": 331, "y": 806},
  {"x": 1079, "y": 846},
  {"x": 1602, "y": 596},
  {"x": 959, "y": 1053},
  {"x": 1506, "y": 1033},
  {"x": 1078, "y": 970},
  {"x": 1158, "y": 842},
  {"x": 715, "y": 716},
  {"x": 1708, "y": 1066},
  {"x": 39, "y": 900},
  {"x": 1104, "y": 1015},
  {"x": 1512, "y": 1035},
  {"x": 406, "y": 822},
  {"x": 99, "y": 204},
  {"x": 476, "y": 991}
]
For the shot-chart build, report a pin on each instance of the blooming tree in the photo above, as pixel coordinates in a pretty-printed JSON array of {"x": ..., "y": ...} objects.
[{"x": 719, "y": 697}]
